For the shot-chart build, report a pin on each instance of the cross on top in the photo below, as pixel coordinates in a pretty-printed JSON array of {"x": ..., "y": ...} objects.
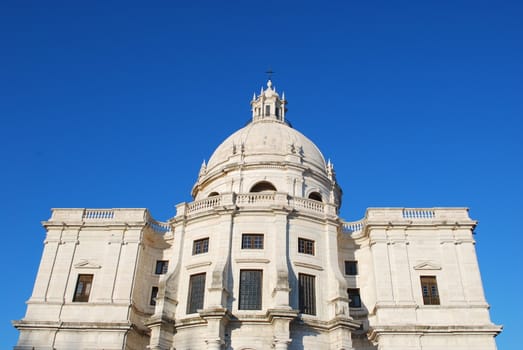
[{"x": 269, "y": 72}]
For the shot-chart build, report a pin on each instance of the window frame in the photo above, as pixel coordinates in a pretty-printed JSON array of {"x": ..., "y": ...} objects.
[
  {"x": 162, "y": 266},
  {"x": 250, "y": 292},
  {"x": 200, "y": 246},
  {"x": 252, "y": 242},
  {"x": 429, "y": 284},
  {"x": 196, "y": 293},
  {"x": 306, "y": 246},
  {"x": 307, "y": 294},
  {"x": 83, "y": 295},
  {"x": 354, "y": 297},
  {"x": 351, "y": 267},
  {"x": 154, "y": 295}
]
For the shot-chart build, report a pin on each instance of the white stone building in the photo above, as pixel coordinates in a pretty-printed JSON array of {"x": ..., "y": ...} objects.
[{"x": 259, "y": 260}]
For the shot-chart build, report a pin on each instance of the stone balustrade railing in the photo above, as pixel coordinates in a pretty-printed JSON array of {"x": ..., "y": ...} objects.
[
  {"x": 255, "y": 200},
  {"x": 374, "y": 216},
  {"x": 98, "y": 214},
  {"x": 418, "y": 213},
  {"x": 309, "y": 204},
  {"x": 203, "y": 204},
  {"x": 159, "y": 227},
  {"x": 351, "y": 227}
]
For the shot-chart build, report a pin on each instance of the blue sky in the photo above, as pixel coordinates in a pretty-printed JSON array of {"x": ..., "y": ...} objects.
[{"x": 116, "y": 104}]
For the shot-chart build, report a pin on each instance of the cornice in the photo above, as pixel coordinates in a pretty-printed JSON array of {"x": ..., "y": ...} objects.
[
  {"x": 308, "y": 266},
  {"x": 252, "y": 261},
  {"x": 221, "y": 171},
  {"x": 378, "y": 330},
  {"x": 196, "y": 265}
]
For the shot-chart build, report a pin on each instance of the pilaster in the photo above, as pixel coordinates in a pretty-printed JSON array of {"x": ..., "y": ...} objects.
[
  {"x": 222, "y": 238},
  {"x": 381, "y": 262},
  {"x": 280, "y": 274},
  {"x": 450, "y": 264}
]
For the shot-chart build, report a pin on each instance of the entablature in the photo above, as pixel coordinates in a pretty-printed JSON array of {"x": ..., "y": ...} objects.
[
  {"x": 407, "y": 218},
  {"x": 109, "y": 218}
]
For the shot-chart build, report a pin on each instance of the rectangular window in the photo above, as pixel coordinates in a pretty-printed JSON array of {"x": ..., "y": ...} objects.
[
  {"x": 200, "y": 246},
  {"x": 196, "y": 293},
  {"x": 161, "y": 267},
  {"x": 252, "y": 241},
  {"x": 305, "y": 246},
  {"x": 351, "y": 268},
  {"x": 83, "y": 288},
  {"x": 154, "y": 294},
  {"x": 250, "y": 290},
  {"x": 307, "y": 294},
  {"x": 429, "y": 290},
  {"x": 354, "y": 297},
  {"x": 267, "y": 110}
]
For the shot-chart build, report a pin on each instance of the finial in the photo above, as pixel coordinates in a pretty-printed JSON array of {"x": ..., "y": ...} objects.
[
  {"x": 283, "y": 96},
  {"x": 203, "y": 169},
  {"x": 253, "y": 96},
  {"x": 269, "y": 84}
]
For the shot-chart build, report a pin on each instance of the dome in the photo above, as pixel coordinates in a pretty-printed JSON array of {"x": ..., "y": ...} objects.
[
  {"x": 267, "y": 141},
  {"x": 268, "y": 151}
]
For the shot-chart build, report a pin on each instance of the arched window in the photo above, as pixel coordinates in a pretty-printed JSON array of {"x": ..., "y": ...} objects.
[
  {"x": 315, "y": 196},
  {"x": 263, "y": 186},
  {"x": 213, "y": 194}
]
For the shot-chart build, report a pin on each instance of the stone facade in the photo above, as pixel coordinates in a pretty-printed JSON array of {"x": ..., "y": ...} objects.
[{"x": 259, "y": 260}]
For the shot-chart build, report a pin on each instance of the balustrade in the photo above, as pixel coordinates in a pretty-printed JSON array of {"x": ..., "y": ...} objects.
[
  {"x": 98, "y": 214},
  {"x": 308, "y": 204},
  {"x": 159, "y": 227},
  {"x": 203, "y": 204},
  {"x": 255, "y": 198},
  {"x": 418, "y": 214},
  {"x": 351, "y": 227}
]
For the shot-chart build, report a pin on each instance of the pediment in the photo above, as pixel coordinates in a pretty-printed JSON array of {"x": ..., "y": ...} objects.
[
  {"x": 427, "y": 265},
  {"x": 86, "y": 264}
]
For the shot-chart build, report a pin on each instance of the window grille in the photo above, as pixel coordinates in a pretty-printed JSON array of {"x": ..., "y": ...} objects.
[
  {"x": 429, "y": 290},
  {"x": 250, "y": 290},
  {"x": 351, "y": 268},
  {"x": 161, "y": 267},
  {"x": 252, "y": 241},
  {"x": 307, "y": 294},
  {"x": 200, "y": 246},
  {"x": 354, "y": 297},
  {"x": 305, "y": 246},
  {"x": 196, "y": 293}
]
